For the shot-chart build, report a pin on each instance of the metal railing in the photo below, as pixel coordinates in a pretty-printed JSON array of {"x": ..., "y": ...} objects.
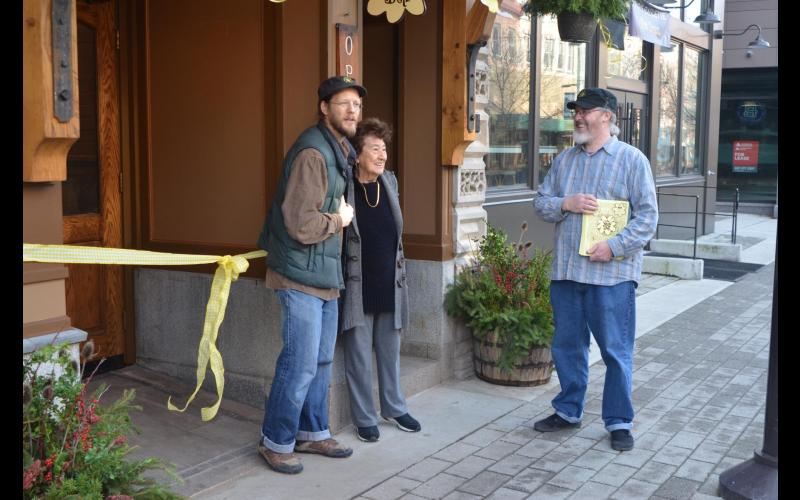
[{"x": 697, "y": 212}]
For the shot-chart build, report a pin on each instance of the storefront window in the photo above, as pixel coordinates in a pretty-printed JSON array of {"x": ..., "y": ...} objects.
[
  {"x": 668, "y": 115},
  {"x": 680, "y": 121},
  {"x": 509, "y": 76},
  {"x": 748, "y": 136},
  {"x": 557, "y": 86},
  {"x": 691, "y": 125},
  {"x": 628, "y": 63}
]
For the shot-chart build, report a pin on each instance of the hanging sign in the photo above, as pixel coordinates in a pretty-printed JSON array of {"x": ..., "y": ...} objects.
[
  {"x": 347, "y": 50},
  {"x": 394, "y": 9},
  {"x": 649, "y": 23},
  {"x": 745, "y": 156}
]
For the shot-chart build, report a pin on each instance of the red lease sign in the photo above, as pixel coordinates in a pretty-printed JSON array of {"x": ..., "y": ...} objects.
[{"x": 745, "y": 156}]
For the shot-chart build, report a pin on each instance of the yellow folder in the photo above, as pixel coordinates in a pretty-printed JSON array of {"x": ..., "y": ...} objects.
[{"x": 607, "y": 221}]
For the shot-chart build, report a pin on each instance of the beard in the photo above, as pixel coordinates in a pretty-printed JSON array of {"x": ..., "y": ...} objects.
[
  {"x": 581, "y": 138},
  {"x": 343, "y": 128}
]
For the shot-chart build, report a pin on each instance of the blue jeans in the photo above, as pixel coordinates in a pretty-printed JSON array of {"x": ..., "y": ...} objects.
[
  {"x": 297, "y": 406},
  {"x": 609, "y": 314}
]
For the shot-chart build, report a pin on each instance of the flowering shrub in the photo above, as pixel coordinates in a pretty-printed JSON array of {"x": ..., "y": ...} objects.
[
  {"x": 506, "y": 292},
  {"x": 72, "y": 447}
]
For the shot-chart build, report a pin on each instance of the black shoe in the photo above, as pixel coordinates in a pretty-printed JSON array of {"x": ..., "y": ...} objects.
[
  {"x": 554, "y": 423},
  {"x": 622, "y": 440},
  {"x": 368, "y": 434},
  {"x": 405, "y": 423}
]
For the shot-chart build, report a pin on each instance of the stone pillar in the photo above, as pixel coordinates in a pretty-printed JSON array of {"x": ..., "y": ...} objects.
[{"x": 469, "y": 216}]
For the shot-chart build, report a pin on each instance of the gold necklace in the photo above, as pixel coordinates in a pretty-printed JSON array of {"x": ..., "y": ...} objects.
[{"x": 366, "y": 198}]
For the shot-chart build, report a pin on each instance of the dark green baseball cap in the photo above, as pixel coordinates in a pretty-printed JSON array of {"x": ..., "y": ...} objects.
[{"x": 593, "y": 97}]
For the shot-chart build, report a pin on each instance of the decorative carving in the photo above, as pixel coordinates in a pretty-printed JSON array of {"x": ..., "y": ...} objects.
[{"x": 472, "y": 182}]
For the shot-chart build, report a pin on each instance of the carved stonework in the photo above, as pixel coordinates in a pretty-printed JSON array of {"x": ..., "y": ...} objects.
[{"x": 473, "y": 182}]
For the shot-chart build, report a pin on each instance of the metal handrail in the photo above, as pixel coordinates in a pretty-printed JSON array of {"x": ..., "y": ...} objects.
[{"x": 734, "y": 216}]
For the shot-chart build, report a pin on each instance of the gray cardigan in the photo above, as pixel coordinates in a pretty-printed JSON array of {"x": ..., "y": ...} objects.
[{"x": 352, "y": 310}]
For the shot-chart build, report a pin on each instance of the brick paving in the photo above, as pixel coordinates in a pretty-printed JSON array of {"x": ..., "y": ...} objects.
[{"x": 699, "y": 389}]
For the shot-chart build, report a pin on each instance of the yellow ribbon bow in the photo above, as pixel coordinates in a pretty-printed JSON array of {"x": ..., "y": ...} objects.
[{"x": 228, "y": 270}]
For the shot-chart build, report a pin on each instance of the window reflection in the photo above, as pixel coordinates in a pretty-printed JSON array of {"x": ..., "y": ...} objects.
[
  {"x": 508, "y": 107},
  {"x": 628, "y": 63},
  {"x": 563, "y": 76},
  {"x": 668, "y": 115},
  {"x": 691, "y": 119}
]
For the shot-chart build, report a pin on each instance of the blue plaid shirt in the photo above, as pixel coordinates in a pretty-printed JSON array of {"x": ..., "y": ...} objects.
[{"x": 616, "y": 171}]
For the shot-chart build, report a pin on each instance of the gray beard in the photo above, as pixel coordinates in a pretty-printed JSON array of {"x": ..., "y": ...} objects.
[{"x": 581, "y": 138}]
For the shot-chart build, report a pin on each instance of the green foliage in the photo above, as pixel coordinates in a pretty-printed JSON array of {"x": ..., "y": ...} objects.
[
  {"x": 72, "y": 446},
  {"x": 506, "y": 293},
  {"x": 611, "y": 9}
]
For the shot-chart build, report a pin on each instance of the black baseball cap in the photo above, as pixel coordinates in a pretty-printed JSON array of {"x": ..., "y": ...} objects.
[
  {"x": 336, "y": 84},
  {"x": 593, "y": 97}
]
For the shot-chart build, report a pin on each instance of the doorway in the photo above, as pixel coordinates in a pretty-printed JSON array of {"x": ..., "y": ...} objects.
[{"x": 91, "y": 195}]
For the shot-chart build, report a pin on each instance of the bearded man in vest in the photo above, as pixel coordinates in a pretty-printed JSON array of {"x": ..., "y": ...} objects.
[{"x": 302, "y": 235}]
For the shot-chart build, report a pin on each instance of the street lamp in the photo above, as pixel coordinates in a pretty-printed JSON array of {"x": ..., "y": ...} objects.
[
  {"x": 758, "y": 43},
  {"x": 757, "y": 478}
]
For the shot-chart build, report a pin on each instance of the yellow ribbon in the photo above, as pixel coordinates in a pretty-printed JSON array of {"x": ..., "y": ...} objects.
[{"x": 228, "y": 270}]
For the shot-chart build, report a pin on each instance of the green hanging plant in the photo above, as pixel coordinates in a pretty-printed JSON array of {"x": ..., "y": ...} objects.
[{"x": 611, "y": 9}]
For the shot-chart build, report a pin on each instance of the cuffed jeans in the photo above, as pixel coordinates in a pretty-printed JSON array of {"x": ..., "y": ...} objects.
[
  {"x": 297, "y": 406},
  {"x": 609, "y": 314}
]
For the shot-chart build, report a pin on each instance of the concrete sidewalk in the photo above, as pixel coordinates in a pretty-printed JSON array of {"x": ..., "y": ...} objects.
[{"x": 699, "y": 391}]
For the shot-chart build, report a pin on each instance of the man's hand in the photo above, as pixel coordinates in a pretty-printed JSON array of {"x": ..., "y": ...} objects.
[
  {"x": 579, "y": 203},
  {"x": 345, "y": 212},
  {"x": 600, "y": 252}
]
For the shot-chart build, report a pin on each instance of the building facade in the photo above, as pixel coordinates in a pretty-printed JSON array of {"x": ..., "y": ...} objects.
[
  {"x": 182, "y": 112},
  {"x": 668, "y": 98},
  {"x": 748, "y": 142}
]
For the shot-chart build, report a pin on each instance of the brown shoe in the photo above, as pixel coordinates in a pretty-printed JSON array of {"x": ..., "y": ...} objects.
[
  {"x": 327, "y": 447},
  {"x": 286, "y": 463}
]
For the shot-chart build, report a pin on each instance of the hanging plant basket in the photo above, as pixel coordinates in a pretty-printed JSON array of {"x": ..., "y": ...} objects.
[
  {"x": 534, "y": 369},
  {"x": 576, "y": 27}
]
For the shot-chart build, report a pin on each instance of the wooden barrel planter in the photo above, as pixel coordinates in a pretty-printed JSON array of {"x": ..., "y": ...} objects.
[{"x": 534, "y": 369}]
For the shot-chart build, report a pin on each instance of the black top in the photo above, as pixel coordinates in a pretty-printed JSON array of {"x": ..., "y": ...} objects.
[{"x": 378, "y": 247}]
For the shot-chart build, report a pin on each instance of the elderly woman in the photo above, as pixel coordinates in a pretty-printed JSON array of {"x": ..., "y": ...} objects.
[{"x": 375, "y": 305}]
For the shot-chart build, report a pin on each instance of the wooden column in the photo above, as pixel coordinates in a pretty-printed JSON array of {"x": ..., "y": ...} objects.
[
  {"x": 460, "y": 29},
  {"x": 46, "y": 142}
]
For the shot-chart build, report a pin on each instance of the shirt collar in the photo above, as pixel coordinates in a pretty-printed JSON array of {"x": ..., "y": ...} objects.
[{"x": 611, "y": 146}]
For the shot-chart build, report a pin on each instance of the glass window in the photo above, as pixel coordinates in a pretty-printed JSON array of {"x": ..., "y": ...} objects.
[
  {"x": 496, "y": 40},
  {"x": 691, "y": 120},
  {"x": 556, "y": 88},
  {"x": 549, "y": 49},
  {"x": 680, "y": 121},
  {"x": 668, "y": 113},
  {"x": 508, "y": 107},
  {"x": 628, "y": 63},
  {"x": 748, "y": 135}
]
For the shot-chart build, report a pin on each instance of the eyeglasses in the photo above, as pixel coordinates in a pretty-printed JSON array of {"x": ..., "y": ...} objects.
[
  {"x": 584, "y": 112},
  {"x": 346, "y": 104}
]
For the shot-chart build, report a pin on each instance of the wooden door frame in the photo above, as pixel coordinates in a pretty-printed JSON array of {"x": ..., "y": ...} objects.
[{"x": 102, "y": 17}]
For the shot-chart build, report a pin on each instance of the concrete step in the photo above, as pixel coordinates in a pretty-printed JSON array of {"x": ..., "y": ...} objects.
[{"x": 705, "y": 249}]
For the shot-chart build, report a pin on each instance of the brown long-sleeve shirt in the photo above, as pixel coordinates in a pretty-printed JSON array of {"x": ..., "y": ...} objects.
[{"x": 303, "y": 216}]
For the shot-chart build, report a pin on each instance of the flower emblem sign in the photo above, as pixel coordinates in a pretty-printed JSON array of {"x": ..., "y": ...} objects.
[{"x": 395, "y": 9}]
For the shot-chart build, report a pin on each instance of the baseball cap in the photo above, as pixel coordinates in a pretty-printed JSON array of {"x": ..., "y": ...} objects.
[
  {"x": 336, "y": 84},
  {"x": 593, "y": 97}
]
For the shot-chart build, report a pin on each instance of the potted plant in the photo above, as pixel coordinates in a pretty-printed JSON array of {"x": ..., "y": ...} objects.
[
  {"x": 504, "y": 298},
  {"x": 74, "y": 447},
  {"x": 578, "y": 19}
]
